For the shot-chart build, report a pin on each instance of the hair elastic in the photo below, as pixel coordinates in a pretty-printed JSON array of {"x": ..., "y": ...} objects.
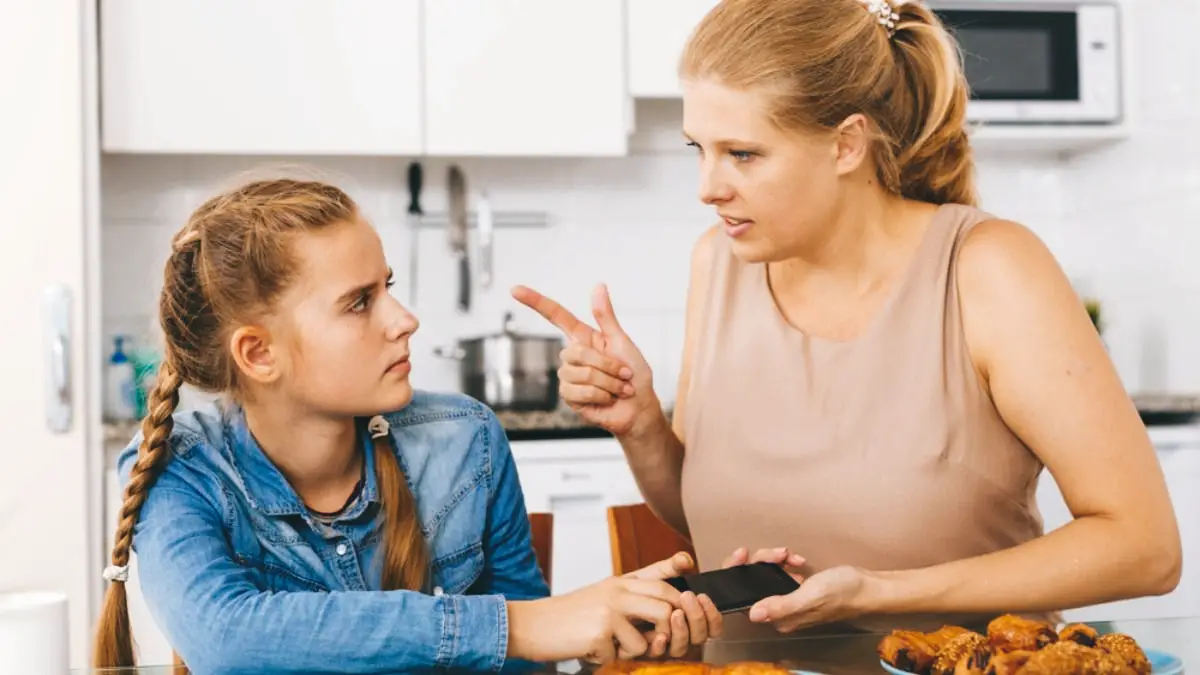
[
  {"x": 884, "y": 14},
  {"x": 116, "y": 573}
]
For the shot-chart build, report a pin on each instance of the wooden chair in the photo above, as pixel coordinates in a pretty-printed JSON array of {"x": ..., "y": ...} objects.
[
  {"x": 639, "y": 538},
  {"x": 542, "y": 526}
]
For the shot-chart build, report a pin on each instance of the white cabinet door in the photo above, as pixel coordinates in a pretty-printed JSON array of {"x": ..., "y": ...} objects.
[
  {"x": 576, "y": 480},
  {"x": 49, "y": 486},
  {"x": 525, "y": 77},
  {"x": 262, "y": 77},
  {"x": 658, "y": 31}
]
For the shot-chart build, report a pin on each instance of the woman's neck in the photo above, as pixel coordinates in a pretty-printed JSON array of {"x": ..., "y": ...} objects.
[
  {"x": 319, "y": 456},
  {"x": 856, "y": 249}
]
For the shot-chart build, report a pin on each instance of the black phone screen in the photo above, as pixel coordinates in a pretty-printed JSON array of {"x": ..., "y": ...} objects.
[{"x": 737, "y": 588}]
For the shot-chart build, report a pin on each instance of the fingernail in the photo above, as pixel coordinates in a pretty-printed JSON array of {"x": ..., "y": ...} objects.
[
  {"x": 625, "y": 373},
  {"x": 627, "y": 390},
  {"x": 757, "y": 614}
]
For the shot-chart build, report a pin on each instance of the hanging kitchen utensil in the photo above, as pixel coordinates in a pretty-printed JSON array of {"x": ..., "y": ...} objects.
[
  {"x": 484, "y": 224},
  {"x": 457, "y": 233},
  {"x": 414, "y": 226}
]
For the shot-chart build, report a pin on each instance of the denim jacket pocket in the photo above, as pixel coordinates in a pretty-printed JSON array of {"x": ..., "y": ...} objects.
[{"x": 455, "y": 572}]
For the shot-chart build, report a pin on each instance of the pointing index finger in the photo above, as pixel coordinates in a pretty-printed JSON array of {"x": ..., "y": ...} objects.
[{"x": 553, "y": 312}]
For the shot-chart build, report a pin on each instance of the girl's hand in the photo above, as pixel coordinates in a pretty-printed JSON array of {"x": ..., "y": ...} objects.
[
  {"x": 831, "y": 595},
  {"x": 603, "y": 376},
  {"x": 597, "y": 623},
  {"x": 693, "y": 623}
]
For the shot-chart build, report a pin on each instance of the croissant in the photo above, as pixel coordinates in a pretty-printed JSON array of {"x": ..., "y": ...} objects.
[
  {"x": 1074, "y": 658},
  {"x": 913, "y": 651},
  {"x": 1127, "y": 649},
  {"x": 1010, "y": 633},
  {"x": 1007, "y": 663},
  {"x": 1079, "y": 633},
  {"x": 970, "y": 650}
]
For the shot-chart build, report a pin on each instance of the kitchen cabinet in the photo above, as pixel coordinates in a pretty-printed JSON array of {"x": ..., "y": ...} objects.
[
  {"x": 267, "y": 77},
  {"x": 1179, "y": 453},
  {"x": 526, "y": 77},
  {"x": 576, "y": 480},
  {"x": 657, "y": 33},
  {"x": 50, "y": 486}
]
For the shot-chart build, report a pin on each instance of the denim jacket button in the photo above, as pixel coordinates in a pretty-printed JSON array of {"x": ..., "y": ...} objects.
[
  {"x": 437, "y": 590},
  {"x": 341, "y": 549}
]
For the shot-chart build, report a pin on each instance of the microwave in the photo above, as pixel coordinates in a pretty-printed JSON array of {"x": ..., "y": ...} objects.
[{"x": 1030, "y": 62}]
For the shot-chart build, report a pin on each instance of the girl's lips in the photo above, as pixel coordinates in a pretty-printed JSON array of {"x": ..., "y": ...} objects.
[{"x": 401, "y": 367}]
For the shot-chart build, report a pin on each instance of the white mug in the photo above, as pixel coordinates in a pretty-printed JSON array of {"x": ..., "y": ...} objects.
[{"x": 33, "y": 633}]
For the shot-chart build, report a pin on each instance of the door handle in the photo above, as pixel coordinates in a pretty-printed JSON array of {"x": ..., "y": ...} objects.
[{"x": 56, "y": 310}]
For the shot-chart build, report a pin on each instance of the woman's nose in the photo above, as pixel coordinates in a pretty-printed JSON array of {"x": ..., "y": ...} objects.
[{"x": 714, "y": 189}]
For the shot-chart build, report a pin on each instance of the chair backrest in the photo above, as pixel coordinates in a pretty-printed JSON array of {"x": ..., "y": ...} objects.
[
  {"x": 639, "y": 538},
  {"x": 542, "y": 527}
]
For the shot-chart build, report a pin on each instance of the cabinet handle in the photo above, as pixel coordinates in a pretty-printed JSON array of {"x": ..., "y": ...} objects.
[{"x": 56, "y": 309}]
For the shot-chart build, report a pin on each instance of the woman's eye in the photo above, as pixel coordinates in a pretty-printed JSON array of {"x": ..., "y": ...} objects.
[
  {"x": 361, "y": 305},
  {"x": 741, "y": 155}
]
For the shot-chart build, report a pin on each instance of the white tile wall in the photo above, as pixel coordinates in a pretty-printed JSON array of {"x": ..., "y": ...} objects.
[{"x": 1125, "y": 223}]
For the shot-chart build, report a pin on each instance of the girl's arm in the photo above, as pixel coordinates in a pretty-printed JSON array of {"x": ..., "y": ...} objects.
[
  {"x": 218, "y": 620},
  {"x": 511, "y": 564}
]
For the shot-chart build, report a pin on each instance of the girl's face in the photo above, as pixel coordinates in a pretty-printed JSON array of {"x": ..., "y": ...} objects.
[{"x": 338, "y": 341}]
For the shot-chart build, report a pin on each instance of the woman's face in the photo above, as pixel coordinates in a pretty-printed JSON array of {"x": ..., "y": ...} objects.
[
  {"x": 775, "y": 190},
  {"x": 340, "y": 340}
]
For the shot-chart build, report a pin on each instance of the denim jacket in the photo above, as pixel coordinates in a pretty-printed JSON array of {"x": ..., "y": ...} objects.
[{"x": 242, "y": 578}]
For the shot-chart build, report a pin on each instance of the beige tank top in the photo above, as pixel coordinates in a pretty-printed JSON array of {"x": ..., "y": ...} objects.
[{"x": 882, "y": 452}]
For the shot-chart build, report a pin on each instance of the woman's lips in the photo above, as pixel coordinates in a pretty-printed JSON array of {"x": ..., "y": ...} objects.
[{"x": 735, "y": 227}]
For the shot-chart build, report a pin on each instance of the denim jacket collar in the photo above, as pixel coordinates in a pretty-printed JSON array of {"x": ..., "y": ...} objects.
[{"x": 266, "y": 487}]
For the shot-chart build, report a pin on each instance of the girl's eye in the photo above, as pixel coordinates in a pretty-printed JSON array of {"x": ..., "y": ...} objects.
[
  {"x": 362, "y": 304},
  {"x": 741, "y": 155}
]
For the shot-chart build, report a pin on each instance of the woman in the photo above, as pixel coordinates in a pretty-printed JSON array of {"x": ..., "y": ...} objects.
[
  {"x": 874, "y": 371},
  {"x": 329, "y": 518}
]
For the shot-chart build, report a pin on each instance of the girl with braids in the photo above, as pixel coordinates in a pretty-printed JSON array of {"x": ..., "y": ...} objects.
[
  {"x": 875, "y": 372},
  {"x": 326, "y": 517}
]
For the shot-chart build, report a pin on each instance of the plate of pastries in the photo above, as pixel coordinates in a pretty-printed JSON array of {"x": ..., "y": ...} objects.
[
  {"x": 696, "y": 668},
  {"x": 1015, "y": 645}
]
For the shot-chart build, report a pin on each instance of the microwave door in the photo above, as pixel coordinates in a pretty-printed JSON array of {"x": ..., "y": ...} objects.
[{"x": 1039, "y": 65}]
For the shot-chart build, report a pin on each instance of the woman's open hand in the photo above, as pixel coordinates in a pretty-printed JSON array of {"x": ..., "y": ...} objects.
[
  {"x": 830, "y": 595},
  {"x": 603, "y": 375}
]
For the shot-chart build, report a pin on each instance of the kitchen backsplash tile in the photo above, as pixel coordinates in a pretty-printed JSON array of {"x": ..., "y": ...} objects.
[{"x": 1124, "y": 223}]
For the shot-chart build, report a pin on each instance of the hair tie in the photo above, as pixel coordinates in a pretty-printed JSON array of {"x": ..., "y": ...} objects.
[
  {"x": 884, "y": 14},
  {"x": 116, "y": 573},
  {"x": 378, "y": 426}
]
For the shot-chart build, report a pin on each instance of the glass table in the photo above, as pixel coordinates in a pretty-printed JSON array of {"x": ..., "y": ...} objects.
[{"x": 854, "y": 653}]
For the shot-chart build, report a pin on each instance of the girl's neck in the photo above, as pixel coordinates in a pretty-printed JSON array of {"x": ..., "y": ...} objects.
[{"x": 319, "y": 456}]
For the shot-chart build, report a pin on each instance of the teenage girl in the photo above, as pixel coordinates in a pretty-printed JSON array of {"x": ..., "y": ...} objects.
[{"x": 326, "y": 517}]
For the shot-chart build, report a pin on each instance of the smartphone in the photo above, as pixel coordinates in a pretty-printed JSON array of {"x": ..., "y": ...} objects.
[{"x": 736, "y": 589}]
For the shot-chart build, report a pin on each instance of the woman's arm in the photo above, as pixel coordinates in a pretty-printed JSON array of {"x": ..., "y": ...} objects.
[
  {"x": 653, "y": 447},
  {"x": 1054, "y": 385}
]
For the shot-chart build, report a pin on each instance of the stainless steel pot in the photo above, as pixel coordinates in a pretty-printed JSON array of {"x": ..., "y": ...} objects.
[{"x": 508, "y": 370}]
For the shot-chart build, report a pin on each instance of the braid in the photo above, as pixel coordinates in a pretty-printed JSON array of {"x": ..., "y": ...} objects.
[{"x": 114, "y": 641}]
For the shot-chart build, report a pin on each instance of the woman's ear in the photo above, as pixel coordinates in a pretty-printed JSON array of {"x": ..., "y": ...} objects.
[{"x": 852, "y": 143}]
